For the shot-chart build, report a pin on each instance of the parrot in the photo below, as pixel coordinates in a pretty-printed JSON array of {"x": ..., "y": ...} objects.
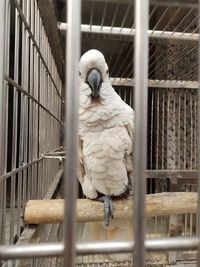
[{"x": 105, "y": 137}]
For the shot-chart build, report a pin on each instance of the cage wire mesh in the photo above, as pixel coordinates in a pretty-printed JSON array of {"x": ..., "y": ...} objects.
[{"x": 32, "y": 115}]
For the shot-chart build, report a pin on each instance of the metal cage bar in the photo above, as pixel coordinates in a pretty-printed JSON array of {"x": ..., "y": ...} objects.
[
  {"x": 57, "y": 249},
  {"x": 72, "y": 100},
  {"x": 129, "y": 32},
  {"x": 2, "y": 110},
  {"x": 183, "y": 3},
  {"x": 198, "y": 151},
  {"x": 140, "y": 139}
]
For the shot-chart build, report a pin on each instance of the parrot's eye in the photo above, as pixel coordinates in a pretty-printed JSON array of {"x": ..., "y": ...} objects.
[
  {"x": 107, "y": 71},
  {"x": 79, "y": 73}
]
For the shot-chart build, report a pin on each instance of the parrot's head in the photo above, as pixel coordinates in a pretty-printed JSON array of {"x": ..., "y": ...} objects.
[{"x": 93, "y": 70}]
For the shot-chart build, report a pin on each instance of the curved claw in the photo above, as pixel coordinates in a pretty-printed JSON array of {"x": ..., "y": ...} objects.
[{"x": 108, "y": 208}]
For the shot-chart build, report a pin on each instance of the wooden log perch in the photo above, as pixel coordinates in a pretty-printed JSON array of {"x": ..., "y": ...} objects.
[{"x": 52, "y": 211}]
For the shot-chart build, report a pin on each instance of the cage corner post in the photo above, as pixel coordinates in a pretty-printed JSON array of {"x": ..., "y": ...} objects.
[
  {"x": 2, "y": 45},
  {"x": 2, "y": 117}
]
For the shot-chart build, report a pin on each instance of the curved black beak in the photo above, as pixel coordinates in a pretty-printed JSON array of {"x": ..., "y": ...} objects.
[{"x": 94, "y": 79}]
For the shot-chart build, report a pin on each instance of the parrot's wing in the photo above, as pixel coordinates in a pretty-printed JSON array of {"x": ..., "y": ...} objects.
[
  {"x": 130, "y": 126},
  {"x": 83, "y": 175},
  {"x": 129, "y": 156}
]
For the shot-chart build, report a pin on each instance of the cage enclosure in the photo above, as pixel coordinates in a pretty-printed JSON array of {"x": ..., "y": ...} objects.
[{"x": 33, "y": 37}]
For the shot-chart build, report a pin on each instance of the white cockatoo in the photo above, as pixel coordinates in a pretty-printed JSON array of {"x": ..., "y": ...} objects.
[{"x": 106, "y": 127}]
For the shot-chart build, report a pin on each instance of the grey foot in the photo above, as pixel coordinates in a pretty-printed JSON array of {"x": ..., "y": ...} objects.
[
  {"x": 108, "y": 209},
  {"x": 129, "y": 190}
]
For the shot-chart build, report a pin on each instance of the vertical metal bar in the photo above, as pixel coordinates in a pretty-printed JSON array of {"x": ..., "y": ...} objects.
[
  {"x": 31, "y": 119},
  {"x": 4, "y": 69},
  {"x": 38, "y": 70},
  {"x": 185, "y": 215},
  {"x": 196, "y": 133},
  {"x": 157, "y": 128},
  {"x": 4, "y": 193},
  {"x": 24, "y": 105},
  {"x": 19, "y": 181},
  {"x": 140, "y": 144},
  {"x": 21, "y": 149},
  {"x": 152, "y": 127},
  {"x": 198, "y": 150},
  {"x": 191, "y": 133},
  {"x": 2, "y": 38},
  {"x": 72, "y": 59},
  {"x": 91, "y": 13},
  {"x": 12, "y": 208},
  {"x": 35, "y": 128},
  {"x": 185, "y": 131},
  {"x": 14, "y": 129},
  {"x": 163, "y": 130},
  {"x": 191, "y": 223},
  {"x": 179, "y": 130},
  {"x": 27, "y": 104}
]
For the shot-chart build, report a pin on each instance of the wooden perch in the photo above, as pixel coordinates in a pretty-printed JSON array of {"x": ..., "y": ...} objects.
[{"x": 52, "y": 211}]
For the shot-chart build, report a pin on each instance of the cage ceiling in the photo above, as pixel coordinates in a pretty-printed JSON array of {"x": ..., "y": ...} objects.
[{"x": 109, "y": 26}]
